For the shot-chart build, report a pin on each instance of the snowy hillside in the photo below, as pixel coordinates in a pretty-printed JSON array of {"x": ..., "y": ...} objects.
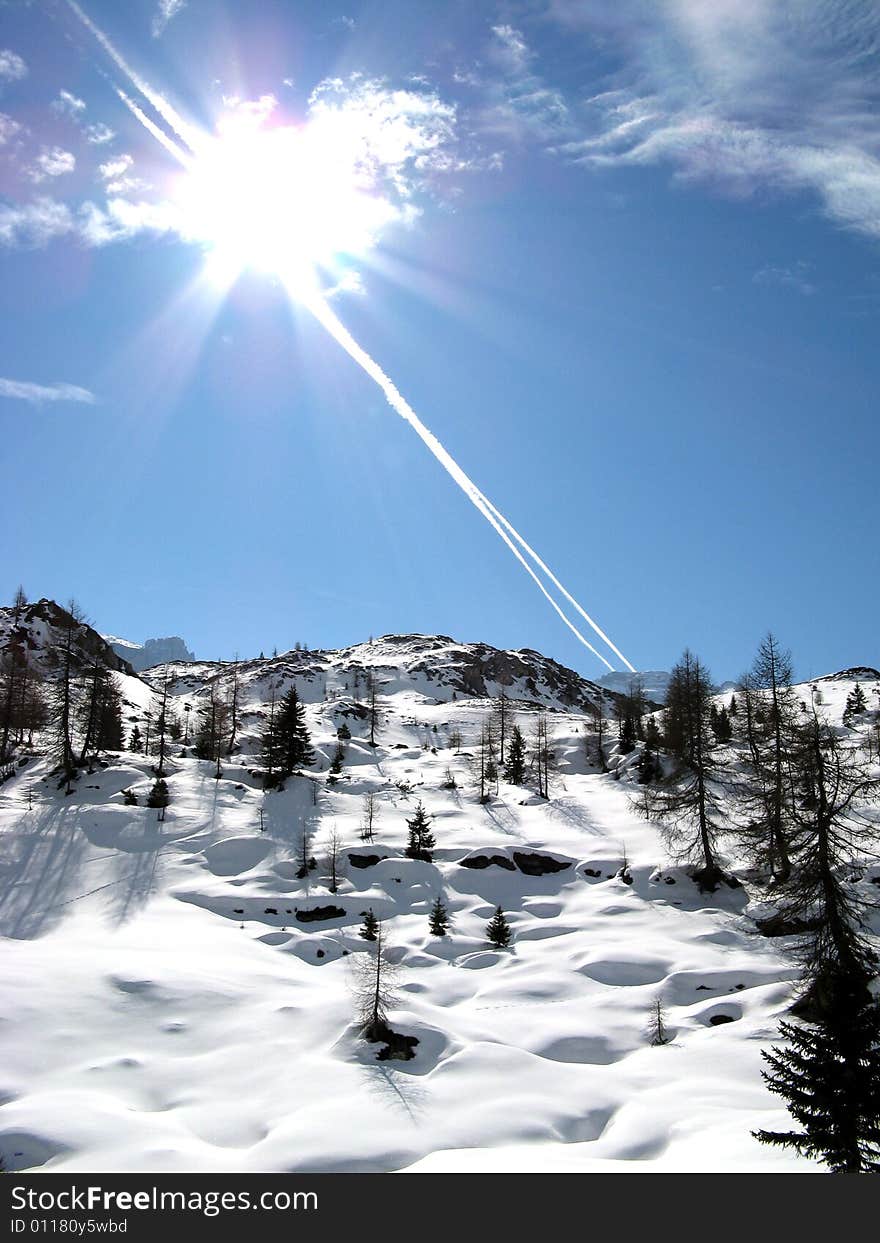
[{"x": 177, "y": 999}]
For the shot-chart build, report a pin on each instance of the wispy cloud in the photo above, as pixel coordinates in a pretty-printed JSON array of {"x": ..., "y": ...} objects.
[
  {"x": 12, "y": 67},
  {"x": 8, "y": 129},
  {"x": 521, "y": 105},
  {"x": 38, "y": 394},
  {"x": 36, "y": 223},
  {"x": 743, "y": 94},
  {"x": 69, "y": 104},
  {"x": 795, "y": 276},
  {"x": 99, "y": 133},
  {"x": 166, "y": 11}
]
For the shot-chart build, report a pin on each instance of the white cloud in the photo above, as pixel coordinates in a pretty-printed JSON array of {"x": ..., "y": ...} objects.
[
  {"x": 37, "y": 394},
  {"x": 99, "y": 133},
  {"x": 8, "y": 129},
  {"x": 69, "y": 104},
  {"x": 167, "y": 10},
  {"x": 12, "y": 67},
  {"x": 115, "y": 168},
  {"x": 52, "y": 162}
]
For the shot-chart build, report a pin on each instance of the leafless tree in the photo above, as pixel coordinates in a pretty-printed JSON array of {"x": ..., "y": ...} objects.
[
  {"x": 369, "y": 816},
  {"x": 374, "y": 978},
  {"x": 335, "y": 853}
]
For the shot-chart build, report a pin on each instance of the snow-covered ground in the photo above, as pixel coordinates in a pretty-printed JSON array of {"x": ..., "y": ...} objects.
[{"x": 164, "y": 1008}]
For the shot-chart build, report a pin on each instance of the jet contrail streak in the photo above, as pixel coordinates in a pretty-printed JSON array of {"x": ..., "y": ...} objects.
[
  {"x": 186, "y": 133},
  {"x": 553, "y": 579},
  {"x": 183, "y": 157},
  {"x": 328, "y": 320}
]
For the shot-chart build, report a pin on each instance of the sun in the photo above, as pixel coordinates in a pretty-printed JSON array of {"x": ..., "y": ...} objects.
[{"x": 288, "y": 200}]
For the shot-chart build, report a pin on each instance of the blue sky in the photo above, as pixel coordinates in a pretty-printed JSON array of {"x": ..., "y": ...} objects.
[{"x": 628, "y": 274}]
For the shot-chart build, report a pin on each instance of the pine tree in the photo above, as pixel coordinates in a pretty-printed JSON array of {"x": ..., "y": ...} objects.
[
  {"x": 421, "y": 839},
  {"x": 370, "y": 924},
  {"x": 135, "y": 742},
  {"x": 294, "y": 740},
  {"x": 829, "y": 1077},
  {"x": 439, "y": 918},
  {"x": 159, "y": 796},
  {"x": 856, "y": 704},
  {"x": 498, "y": 930},
  {"x": 338, "y": 759},
  {"x": 515, "y": 768},
  {"x": 270, "y": 756}
]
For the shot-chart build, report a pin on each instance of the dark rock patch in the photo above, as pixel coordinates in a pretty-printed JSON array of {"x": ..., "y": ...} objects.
[
  {"x": 533, "y": 864},
  {"x": 315, "y": 913},
  {"x": 365, "y": 861},
  {"x": 485, "y": 861}
]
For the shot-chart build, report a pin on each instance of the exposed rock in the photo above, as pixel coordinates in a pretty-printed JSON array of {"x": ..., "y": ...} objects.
[{"x": 315, "y": 913}]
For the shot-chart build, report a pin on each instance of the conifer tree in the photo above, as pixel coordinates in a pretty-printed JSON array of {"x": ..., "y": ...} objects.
[
  {"x": 135, "y": 742},
  {"x": 658, "y": 1033},
  {"x": 498, "y": 930},
  {"x": 829, "y": 1077},
  {"x": 421, "y": 839},
  {"x": 159, "y": 796},
  {"x": 369, "y": 926},
  {"x": 294, "y": 740},
  {"x": 515, "y": 767},
  {"x": 439, "y": 918}
]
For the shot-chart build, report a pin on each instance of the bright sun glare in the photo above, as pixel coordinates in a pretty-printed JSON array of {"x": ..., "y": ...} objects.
[{"x": 289, "y": 200}]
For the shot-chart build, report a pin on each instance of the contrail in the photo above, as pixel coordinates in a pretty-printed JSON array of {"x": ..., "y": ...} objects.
[
  {"x": 328, "y": 320},
  {"x": 186, "y": 133},
  {"x": 183, "y": 157},
  {"x": 553, "y": 579}
]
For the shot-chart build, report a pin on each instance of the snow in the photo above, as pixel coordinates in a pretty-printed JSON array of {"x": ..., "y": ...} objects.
[{"x": 165, "y": 1009}]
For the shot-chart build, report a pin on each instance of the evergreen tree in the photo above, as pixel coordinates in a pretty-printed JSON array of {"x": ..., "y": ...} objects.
[
  {"x": 515, "y": 767},
  {"x": 856, "y": 704},
  {"x": 439, "y": 918},
  {"x": 421, "y": 839},
  {"x": 498, "y": 929},
  {"x": 338, "y": 759},
  {"x": 369, "y": 926},
  {"x": 294, "y": 740},
  {"x": 829, "y": 1077},
  {"x": 270, "y": 744},
  {"x": 159, "y": 796},
  {"x": 135, "y": 742}
]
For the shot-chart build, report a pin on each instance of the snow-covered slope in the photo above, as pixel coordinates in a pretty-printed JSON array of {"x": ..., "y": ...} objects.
[
  {"x": 172, "y": 1002},
  {"x": 40, "y": 629}
]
